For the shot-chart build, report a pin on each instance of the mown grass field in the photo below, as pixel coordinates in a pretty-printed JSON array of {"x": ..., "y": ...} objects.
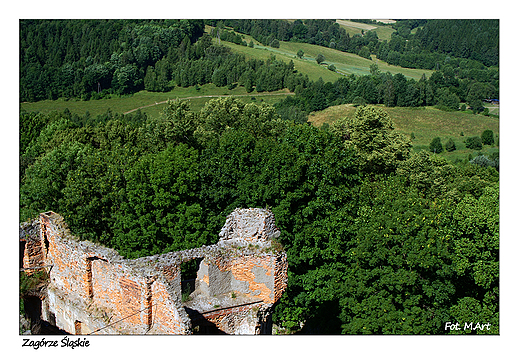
[
  {"x": 426, "y": 124},
  {"x": 345, "y": 63},
  {"x": 147, "y": 100},
  {"x": 352, "y": 28}
]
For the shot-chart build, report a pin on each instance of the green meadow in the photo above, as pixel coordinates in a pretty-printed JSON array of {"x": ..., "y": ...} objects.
[
  {"x": 345, "y": 63},
  {"x": 425, "y": 124},
  {"x": 353, "y": 28},
  {"x": 152, "y": 103}
]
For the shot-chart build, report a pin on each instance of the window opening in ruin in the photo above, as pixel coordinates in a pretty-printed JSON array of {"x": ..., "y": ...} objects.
[
  {"x": 39, "y": 326},
  {"x": 22, "y": 252},
  {"x": 45, "y": 240},
  {"x": 188, "y": 275}
]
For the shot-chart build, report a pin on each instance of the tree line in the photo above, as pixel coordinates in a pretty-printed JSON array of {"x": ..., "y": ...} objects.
[
  {"x": 432, "y": 43},
  {"x": 92, "y": 59},
  {"x": 443, "y": 89},
  {"x": 81, "y": 58},
  {"x": 379, "y": 240}
]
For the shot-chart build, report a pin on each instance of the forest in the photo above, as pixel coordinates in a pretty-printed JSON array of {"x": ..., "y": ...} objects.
[
  {"x": 380, "y": 240},
  {"x": 96, "y": 59}
]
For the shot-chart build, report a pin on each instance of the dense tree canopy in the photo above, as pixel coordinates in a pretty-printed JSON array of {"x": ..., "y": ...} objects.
[{"x": 378, "y": 240}]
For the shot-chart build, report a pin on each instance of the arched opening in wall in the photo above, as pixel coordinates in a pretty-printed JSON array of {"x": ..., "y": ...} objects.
[{"x": 188, "y": 275}]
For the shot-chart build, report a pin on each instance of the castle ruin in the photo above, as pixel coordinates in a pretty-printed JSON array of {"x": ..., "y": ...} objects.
[{"x": 93, "y": 290}]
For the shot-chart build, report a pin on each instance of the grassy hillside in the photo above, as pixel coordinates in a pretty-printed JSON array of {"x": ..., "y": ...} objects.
[
  {"x": 426, "y": 124},
  {"x": 352, "y": 28},
  {"x": 345, "y": 63},
  {"x": 148, "y": 100},
  {"x": 287, "y": 52}
]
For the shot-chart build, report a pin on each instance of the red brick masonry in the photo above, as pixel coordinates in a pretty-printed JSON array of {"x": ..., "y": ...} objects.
[{"x": 93, "y": 290}]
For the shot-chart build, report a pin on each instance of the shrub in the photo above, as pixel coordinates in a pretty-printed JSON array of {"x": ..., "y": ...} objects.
[
  {"x": 450, "y": 146},
  {"x": 485, "y": 161},
  {"x": 474, "y": 143},
  {"x": 436, "y": 145},
  {"x": 487, "y": 137}
]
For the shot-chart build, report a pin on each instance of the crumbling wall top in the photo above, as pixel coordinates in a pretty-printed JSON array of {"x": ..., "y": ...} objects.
[
  {"x": 30, "y": 230},
  {"x": 249, "y": 225}
]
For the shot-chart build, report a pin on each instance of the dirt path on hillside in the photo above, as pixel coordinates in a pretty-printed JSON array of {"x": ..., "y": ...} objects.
[{"x": 214, "y": 96}]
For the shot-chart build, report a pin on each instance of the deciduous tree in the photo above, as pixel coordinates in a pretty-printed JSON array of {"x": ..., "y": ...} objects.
[{"x": 371, "y": 134}]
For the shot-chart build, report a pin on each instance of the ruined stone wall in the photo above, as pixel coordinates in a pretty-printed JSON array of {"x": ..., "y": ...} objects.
[
  {"x": 96, "y": 290},
  {"x": 32, "y": 257},
  {"x": 92, "y": 289},
  {"x": 244, "y": 266}
]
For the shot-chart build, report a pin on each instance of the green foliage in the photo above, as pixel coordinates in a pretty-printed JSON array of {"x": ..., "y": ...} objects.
[
  {"x": 474, "y": 143},
  {"x": 224, "y": 113},
  {"x": 427, "y": 173},
  {"x": 450, "y": 145},
  {"x": 185, "y": 296},
  {"x": 176, "y": 123},
  {"x": 364, "y": 52},
  {"x": 371, "y": 134},
  {"x": 159, "y": 212},
  {"x": 378, "y": 241},
  {"x": 436, "y": 145},
  {"x": 447, "y": 100},
  {"x": 31, "y": 125},
  {"x": 320, "y": 58},
  {"x": 29, "y": 284},
  {"x": 357, "y": 101},
  {"x": 44, "y": 180},
  {"x": 397, "y": 281},
  {"x": 487, "y": 137},
  {"x": 485, "y": 161},
  {"x": 80, "y": 58},
  {"x": 476, "y": 258}
]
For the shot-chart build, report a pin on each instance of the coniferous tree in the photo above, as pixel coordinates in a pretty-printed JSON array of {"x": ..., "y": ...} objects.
[{"x": 450, "y": 145}]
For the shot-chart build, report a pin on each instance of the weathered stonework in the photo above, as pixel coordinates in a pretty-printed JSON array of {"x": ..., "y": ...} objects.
[{"x": 93, "y": 290}]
